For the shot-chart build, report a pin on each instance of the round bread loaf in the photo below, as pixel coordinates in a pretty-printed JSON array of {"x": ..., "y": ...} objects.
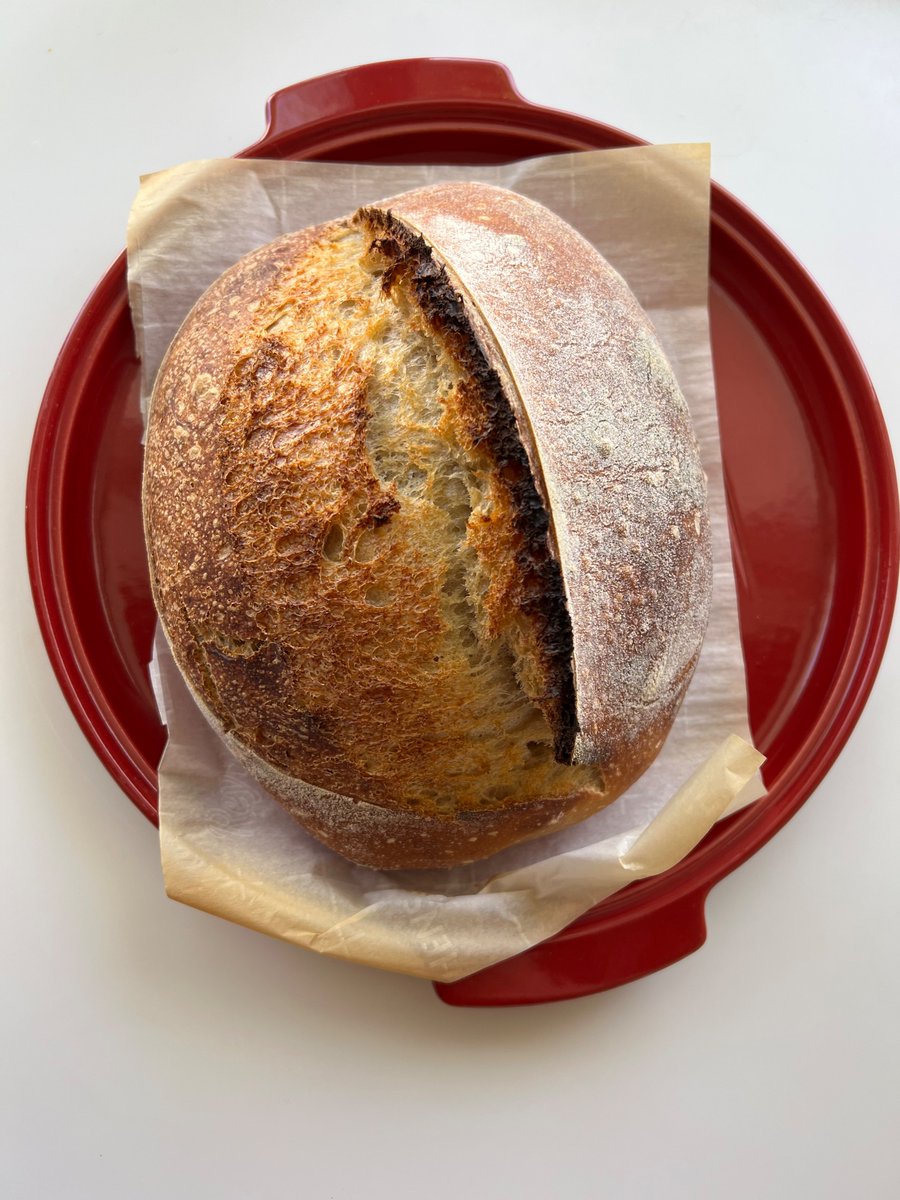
[{"x": 427, "y": 525}]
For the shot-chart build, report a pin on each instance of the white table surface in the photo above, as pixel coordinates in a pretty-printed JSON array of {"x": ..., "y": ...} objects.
[{"x": 149, "y": 1050}]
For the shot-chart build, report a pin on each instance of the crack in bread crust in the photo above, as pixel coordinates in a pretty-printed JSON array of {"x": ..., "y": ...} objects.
[{"x": 540, "y": 597}]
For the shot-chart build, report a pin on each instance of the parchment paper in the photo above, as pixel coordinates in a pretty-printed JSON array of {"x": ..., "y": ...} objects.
[{"x": 227, "y": 847}]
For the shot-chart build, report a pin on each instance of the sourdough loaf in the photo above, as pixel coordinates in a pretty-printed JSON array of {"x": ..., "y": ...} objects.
[{"x": 427, "y": 526}]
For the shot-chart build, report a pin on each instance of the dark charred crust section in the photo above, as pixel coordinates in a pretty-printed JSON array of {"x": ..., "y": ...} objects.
[{"x": 541, "y": 596}]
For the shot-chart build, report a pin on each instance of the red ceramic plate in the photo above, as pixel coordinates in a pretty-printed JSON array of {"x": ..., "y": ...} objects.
[{"x": 810, "y": 480}]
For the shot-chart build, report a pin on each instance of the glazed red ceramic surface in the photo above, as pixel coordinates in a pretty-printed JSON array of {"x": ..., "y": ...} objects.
[{"x": 810, "y": 482}]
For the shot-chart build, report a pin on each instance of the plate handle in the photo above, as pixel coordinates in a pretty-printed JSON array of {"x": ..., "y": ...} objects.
[
  {"x": 579, "y": 962},
  {"x": 383, "y": 84}
]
